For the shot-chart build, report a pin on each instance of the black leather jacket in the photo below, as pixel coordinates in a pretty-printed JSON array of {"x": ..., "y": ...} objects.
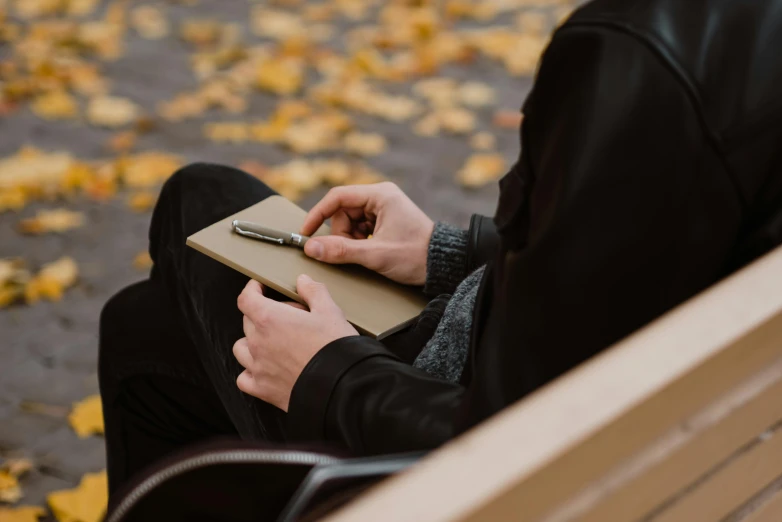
[{"x": 651, "y": 167}]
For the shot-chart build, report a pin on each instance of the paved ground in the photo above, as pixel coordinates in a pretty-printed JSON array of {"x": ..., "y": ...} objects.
[{"x": 48, "y": 351}]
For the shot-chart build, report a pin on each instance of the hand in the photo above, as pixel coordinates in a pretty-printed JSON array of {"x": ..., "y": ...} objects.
[
  {"x": 281, "y": 338},
  {"x": 400, "y": 231}
]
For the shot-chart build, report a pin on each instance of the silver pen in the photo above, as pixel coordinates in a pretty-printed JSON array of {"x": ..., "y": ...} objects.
[{"x": 256, "y": 231}]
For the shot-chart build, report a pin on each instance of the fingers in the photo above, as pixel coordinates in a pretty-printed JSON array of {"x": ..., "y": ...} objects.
[
  {"x": 340, "y": 250},
  {"x": 353, "y": 197},
  {"x": 341, "y": 224},
  {"x": 294, "y": 304},
  {"x": 315, "y": 294},
  {"x": 242, "y": 353},
  {"x": 256, "y": 306},
  {"x": 246, "y": 383}
]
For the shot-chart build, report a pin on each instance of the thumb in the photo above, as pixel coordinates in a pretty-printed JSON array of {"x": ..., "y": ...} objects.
[
  {"x": 315, "y": 294},
  {"x": 338, "y": 249}
]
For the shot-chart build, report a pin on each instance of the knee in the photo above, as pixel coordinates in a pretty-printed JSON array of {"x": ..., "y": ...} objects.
[{"x": 199, "y": 176}]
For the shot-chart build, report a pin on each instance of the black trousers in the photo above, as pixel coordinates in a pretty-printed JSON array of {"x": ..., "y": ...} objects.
[{"x": 166, "y": 369}]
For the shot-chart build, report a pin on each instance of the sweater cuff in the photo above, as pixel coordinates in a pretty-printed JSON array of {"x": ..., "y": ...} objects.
[
  {"x": 446, "y": 264},
  {"x": 310, "y": 397}
]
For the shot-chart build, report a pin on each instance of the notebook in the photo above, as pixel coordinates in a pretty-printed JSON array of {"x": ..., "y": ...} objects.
[{"x": 375, "y": 305}]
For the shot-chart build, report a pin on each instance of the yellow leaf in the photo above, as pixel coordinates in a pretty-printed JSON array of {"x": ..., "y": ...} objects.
[
  {"x": 111, "y": 111},
  {"x": 365, "y": 144},
  {"x": 10, "y": 491},
  {"x": 86, "y": 503},
  {"x": 507, "y": 119},
  {"x": 13, "y": 198},
  {"x": 55, "y": 105},
  {"x": 456, "y": 120},
  {"x": 280, "y": 76},
  {"x": 86, "y": 418},
  {"x": 17, "y": 467},
  {"x": 476, "y": 94},
  {"x": 56, "y": 220},
  {"x": 52, "y": 280},
  {"x": 123, "y": 141},
  {"x": 149, "y": 22},
  {"x": 142, "y": 201},
  {"x": 148, "y": 168},
  {"x": 481, "y": 169},
  {"x": 21, "y": 514},
  {"x": 483, "y": 141},
  {"x": 142, "y": 261}
]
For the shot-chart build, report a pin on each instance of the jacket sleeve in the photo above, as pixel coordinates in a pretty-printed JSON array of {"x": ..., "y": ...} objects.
[{"x": 593, "y": 223}]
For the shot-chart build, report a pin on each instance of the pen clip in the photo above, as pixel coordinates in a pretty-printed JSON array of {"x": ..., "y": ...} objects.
[{"x": 253, "y": 235}]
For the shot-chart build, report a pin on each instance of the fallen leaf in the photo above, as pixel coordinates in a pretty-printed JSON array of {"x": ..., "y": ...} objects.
[
  {"x": 55, "y": 105},
  {"x": 142, "y": 261},
  {"x": 86, "y": 417},
  {"x": 17, "y": 467},
  {"x": 21, "y": 514},
  {"x": 476, "y": 94},
  {"x": 148, "y": 169},
  {"x": 56, "y": 220},
  {"x": 227, "y": 132},
  {"x": 142, "y": 201},
  {"x": 280, "y": 76},
  {"x": 481, "y": 169},
  {"x": 533, "y": 22},
  {"x": 111, "y": 111},
  {"x": 483, "y": 141},
  {"x": 456, "y": 120},
  {"x": 276, "y": 23},
  {"x": 507, "y": 119},
  {"x": 123, "y": 141},
  {"x": 428, "y": 126},
  {"x": 52, "y": 280},
  {"x": 149, "y": 22},
  {"x": 10, "y": 490},
  {"x": 365, "y": 144},
  {"x": 85, "y": 503}
]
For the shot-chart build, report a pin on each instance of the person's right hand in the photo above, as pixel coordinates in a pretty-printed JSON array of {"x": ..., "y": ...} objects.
[{"x": 400, "y": 231}]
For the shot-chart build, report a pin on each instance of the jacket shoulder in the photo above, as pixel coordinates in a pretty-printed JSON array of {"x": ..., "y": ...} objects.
[{"x": 726, "y": 51}]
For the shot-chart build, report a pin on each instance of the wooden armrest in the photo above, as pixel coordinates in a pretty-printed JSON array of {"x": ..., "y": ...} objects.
[{"x": 675, "y": 423}]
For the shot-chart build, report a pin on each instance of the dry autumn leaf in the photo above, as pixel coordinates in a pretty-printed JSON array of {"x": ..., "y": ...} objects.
[
  {"x": 483, "y": 141},
  {"x": 149, "y": 22},
  {"x": 10, "y": 490},
  {"x": 481, "y": 169},
  {"x": 476, "y": 94},
  {"x": 142, "y": 261},
  {"x": 17, "y": 466},
  {"x": 365, "y": 144},
  {"x": 507, "y": 119},
  {"x": 111, "y": 111},
  {"x": 53, "y": 279},
  {"x": 56, "y": 220},
  {"x": 142, "y": 201},
  {"x": 55, "y": 105},
  {"x": 85, "y": 503},
  {"x": 123, "y": 141},
  {"x": 21, "y": 514},
  {"x": 147, "y": 169},
  {"x": 86, "y": 417}
]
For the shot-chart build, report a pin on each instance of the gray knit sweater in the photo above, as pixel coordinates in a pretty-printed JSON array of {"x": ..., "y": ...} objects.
[{"x": 445, "y": 354}]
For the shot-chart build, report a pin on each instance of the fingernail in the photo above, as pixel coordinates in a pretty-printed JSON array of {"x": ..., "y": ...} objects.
[
  {"x": 304, "y": 278},
  {"x": 315, "y": 249}
]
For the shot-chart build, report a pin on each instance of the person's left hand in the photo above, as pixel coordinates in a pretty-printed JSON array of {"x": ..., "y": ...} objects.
[{"x": 281, "y": 338}]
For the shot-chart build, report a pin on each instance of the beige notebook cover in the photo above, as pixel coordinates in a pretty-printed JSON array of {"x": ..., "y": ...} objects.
[{"x": 376, "y": 306}]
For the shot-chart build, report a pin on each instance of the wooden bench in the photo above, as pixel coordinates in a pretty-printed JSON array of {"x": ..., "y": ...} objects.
[{"x": 679, "y": 422}]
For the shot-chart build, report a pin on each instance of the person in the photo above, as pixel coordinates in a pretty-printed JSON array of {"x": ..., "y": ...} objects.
[{"x": 650, "y": 169}]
